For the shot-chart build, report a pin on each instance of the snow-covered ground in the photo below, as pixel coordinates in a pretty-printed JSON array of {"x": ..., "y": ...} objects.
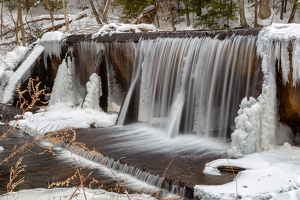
[
  {"x": 267, "y": 174},
  {"x": 66, "y": 193}
]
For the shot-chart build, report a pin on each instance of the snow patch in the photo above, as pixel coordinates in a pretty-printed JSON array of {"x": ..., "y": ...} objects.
[
  {"x": 62, "y": 115},
  {"x": 1, "y": 149},
  {"x": 121, "y": 28},
  {"x": 63, "y": 193},
  {"x": 268, "y": 173}
]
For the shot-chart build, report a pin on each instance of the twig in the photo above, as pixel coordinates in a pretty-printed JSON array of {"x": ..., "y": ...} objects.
[{"x": 164, "y": 176}]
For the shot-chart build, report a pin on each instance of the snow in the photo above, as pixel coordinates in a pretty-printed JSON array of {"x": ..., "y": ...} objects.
[
  {"x": 51, "y": 36},
  {"x": 21, "y": 74},
  {"x": 267, "y": 174},
  {"x": 66, "y": 193},
  {"x": 63, "y": 115},
  {"x": 122, "y": 28},
  {"x": 94, "y": 92},
  {"x": 2, "y": 149}
]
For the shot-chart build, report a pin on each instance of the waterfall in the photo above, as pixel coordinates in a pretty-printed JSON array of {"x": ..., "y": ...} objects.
[{"x": 192, "y": 84}]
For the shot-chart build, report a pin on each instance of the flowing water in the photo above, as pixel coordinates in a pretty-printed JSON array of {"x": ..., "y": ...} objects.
[
  {"x": 192, "y": 85},
  {"x": 186, "y": 93}
]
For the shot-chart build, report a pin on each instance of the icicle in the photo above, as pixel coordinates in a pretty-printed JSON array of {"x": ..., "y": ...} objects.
[
  {"x": 285, "y": 62},
  {"x": 296, "y": 62}
]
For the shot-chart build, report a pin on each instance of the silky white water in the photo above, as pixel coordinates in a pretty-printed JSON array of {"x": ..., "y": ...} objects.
[{"x": 193, "y": 84}]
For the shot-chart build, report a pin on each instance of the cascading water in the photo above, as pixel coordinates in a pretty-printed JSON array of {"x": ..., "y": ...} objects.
[{"x": 193, "y": 85}]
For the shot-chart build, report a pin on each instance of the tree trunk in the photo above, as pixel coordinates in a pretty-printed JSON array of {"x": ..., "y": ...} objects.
[
  {"x": 281, "y": 10},
  {"x": 264, "y": 9},
  {"x": 172, "y": 15},
  {"x": 156, "y": 13},
  {"x": 51, "y": 14},
  {"x": 293, "y": 12},
  {"x": 255, "y": 14},
  {"x": 242, "y": 14},
  {"x": 21, "y": 23},
  {"x": 187, "y": 13},
  {"x": 2, "y": 17},
  {"x": 17, "y": 30},
  {"x": 95, "y": 12},
  {"x": 105, "y": 11},
  {"x": 65, "y": 13},
  {"x": 285, "y": 6}
]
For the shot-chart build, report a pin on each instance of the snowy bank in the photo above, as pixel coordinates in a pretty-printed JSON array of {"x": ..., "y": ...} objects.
[
  {"x": 62, "y": 115},
  {"x": 267, "y": 174},
  {"x": 66, "y": 193}
]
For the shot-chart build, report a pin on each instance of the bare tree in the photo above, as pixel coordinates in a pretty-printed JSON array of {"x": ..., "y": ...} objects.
[
  {"x": 172, "y": 15},
  {"x": 293, "y": 11},
  {"x": 242, "y": 14},
  {"x": 264, "y": 9},
  {"x": 282, "y": 9},
  {"x": 95, "y": 12},
  {"x": 51, "y": 14},
  {"x": 15, "y": 23},
  {"x": 104, "y": 17},
  {"x": 188, "y": 23},
  {"x": 21, "y": 23},
  {"x": 2, "y": 17},
  {"x": 66, "y": 19},
  {"x": 255, "y": 14}
]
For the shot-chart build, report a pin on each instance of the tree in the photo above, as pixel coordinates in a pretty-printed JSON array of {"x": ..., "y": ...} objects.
[
  {"x": 51, "y": 14},
  {"x": 66, "y": 19},
  {"x": 264, "y": 9},
  {"x": 21, "y": 23},
  {"x": 104, "y": 17},
  {"x": 255, "y": 14},
  {"x": 293, "y": 11},
  {"x": 172, "y": 15},
  {"x": 131, "y": 9},
  {"x": 217, "y": 12},
  {"x": 188, "y": 23},
  {"x": 242, "y": 14},
  {"x": 95, "y": 13},
  {"x": 2, "y": 17}
]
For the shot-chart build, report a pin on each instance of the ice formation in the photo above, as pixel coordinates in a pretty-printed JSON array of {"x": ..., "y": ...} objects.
[
  {"x": 51, "y": 41},
  {"x": 66, "y": 85},
  {"x": 245, "y": 138},
  {"x": 8, "y": 63},
  {"x": 272, "y": 44},
  {"x": 20, "y": 75},
  {"x": 94, "y": 92}
]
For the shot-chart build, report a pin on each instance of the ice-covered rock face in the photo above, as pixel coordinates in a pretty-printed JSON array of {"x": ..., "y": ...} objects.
[{"x": 259, "y": 134}]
